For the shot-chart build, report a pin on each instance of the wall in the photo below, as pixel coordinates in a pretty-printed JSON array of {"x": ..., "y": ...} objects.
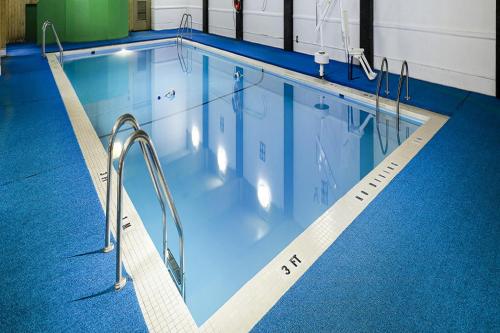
[
  {"x": 3, "y": 30},
  {"x": 451, "y": 42},
  {"x": 15, "y": 19},
  {"x": 84, "y": 20},
  {"x": 263, "y": 22},
  {"x": 3, "y": 26},
  {"x": 167, "y": 14},
  {"x": 222, "y": 18},
  {"x": 448, "y": 41}
]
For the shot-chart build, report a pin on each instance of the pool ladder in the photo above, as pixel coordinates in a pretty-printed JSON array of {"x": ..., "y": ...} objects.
[
  {"x": 186, "y": 26},
  {"x": 185, "y": 60},
  {"x": 384, "y": 70},
  {"x": 163, "y": 194},
  {"x": 45, "y": 25},
  {"x": 405, "y": 76}
]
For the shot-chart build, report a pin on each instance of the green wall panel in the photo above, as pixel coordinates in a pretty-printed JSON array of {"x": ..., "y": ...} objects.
[
  {"x": 30, "y": 27},
  {"x": 118, "y": 22},
  {"x": 84, "y": 20},
  {"x": 55, "y": 11}
]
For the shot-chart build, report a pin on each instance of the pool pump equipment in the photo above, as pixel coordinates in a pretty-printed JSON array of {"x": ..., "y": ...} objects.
[{"x": 322, "y": 58}]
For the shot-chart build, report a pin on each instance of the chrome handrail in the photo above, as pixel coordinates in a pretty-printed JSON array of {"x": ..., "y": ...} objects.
[
  {"x": 404, "y": 76},
  {"x": 186, "y": 64},
  {"x": 45, "y": 25},
  {"x": 161, "y": 186},
  {"x": 120, "y": 122},
  {"x": 385, "y": 65},
  {"x": 185, "y": 26},
  {"x": 382, "y": 148}
]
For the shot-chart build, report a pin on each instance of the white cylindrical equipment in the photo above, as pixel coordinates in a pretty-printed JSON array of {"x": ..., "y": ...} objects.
[{"x": 322, "y": 58}]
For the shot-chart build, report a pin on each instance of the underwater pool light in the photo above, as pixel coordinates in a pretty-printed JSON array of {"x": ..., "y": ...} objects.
[
  {"x": 195, "y": 137},
  {"x": 264, "y": 194},
  {"x": 124, "y": 52},
  {"x": 222, "y": 159}
]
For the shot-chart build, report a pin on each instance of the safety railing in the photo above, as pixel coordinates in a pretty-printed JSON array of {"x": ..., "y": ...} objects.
[
  {"x": 186, "y": 26},
  {"x": 126, "y": 119},
  {"x": 163, "y": 194},
  {"x": 384, "y": 70},
  {"x": 405, "y": 76},
  {"x": 45, "y": 25},
  {"x": 185, "y": 57}
]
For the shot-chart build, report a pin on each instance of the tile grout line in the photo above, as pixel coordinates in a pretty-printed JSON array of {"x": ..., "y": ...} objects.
[{"x": 141, "y": 259}]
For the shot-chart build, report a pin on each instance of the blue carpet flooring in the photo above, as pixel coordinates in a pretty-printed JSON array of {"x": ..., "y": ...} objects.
[
  {"x": 53, "y": 278},
  {"x": 422, "y": 257}
]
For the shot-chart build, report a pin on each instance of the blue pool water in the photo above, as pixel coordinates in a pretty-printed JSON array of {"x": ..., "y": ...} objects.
[{"x": 252, "y": 159}]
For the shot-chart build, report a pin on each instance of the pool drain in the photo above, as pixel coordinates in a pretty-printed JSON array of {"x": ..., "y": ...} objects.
[{"x": 170, "y": 95}]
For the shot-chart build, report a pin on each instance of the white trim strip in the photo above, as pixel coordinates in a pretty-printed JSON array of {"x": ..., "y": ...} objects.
[
  {"x": 485, "y": 35},
  {"x": 174, "y": 7},
  {"x": 262, "y": 13}
]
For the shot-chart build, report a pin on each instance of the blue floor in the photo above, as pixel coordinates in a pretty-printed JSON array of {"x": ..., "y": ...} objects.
[
  {"x": 424, "y": 255},
  {"x": 53, "y": 278},
  {"x": 417, "y": 259}
]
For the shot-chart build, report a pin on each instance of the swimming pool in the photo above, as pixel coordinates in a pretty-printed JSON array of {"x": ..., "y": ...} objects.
[
  {"x": 264, "y": 165},
  {"x": 252, "y": 158}
]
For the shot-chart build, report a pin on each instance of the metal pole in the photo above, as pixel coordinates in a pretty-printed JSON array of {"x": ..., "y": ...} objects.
[
  {"x": 144, "y": 139},
  {"x": 121, "y": 121},
  {"x": 120, "y": 280},
  {"x": 44, "y": 28}
]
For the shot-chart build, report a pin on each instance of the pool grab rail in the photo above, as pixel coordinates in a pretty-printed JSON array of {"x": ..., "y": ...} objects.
[
  {"x": 405, "y": 76},
  {"x": 126, "y": 119},
  {"x": 160, "y": 184},
  {"x": 45, "y": 25},
  {"x": 185, "y": 26},
  {"x": 186, "y": 64},
  {"x": 384, "y": 70},
  {"x": 162, "y": 191}
]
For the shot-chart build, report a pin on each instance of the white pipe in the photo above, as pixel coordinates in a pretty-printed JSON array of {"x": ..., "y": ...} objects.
[
  {"x": 264, "y": 5},
  {"x": 325, "y": 12},
  {"x": 319, "y": 26},
  {"x": 321, "y": 41}
]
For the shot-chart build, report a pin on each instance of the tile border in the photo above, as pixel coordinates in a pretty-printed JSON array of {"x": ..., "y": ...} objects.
[{"x": 160, "y": 302}]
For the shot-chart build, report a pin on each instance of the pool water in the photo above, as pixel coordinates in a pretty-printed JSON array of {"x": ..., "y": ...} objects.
[{"x": 251, "y": 158}]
